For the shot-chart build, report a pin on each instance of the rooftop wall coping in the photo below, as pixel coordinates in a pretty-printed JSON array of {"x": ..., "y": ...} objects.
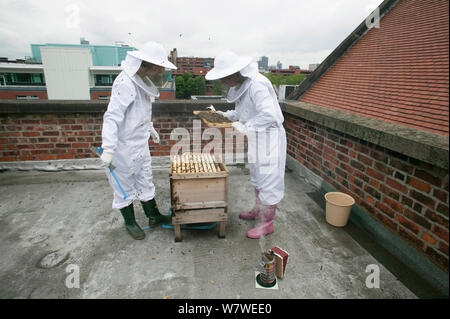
[
  {"x": 99, "y": 106},
  {"x": 425, "y": 146}
]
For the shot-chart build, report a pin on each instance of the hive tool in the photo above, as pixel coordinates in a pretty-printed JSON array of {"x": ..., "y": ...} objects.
[{"x": 98, "y": 151}]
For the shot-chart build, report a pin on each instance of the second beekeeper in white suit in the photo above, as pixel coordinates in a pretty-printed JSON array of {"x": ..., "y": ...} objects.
[
  {"x": 258, "y": 115},
  {"x": 127, "y": 127}
]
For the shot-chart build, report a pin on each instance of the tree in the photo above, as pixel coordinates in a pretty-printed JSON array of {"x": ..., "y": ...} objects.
[
  {"x": 187, "y": 85},
  {"x": 186, "y": 76},
  {"x": 190, "y": 88},
  {"x": 217, "y": 87},
  {"x": 180, "y": 87},
  {"x": 200, "y": 85},
  {"x": 277, "y": 80}
]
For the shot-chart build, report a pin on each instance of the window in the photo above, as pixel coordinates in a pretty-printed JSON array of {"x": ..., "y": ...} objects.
[
  {"x": 36, "y": 79},
  {"x": 104, "y": 79},
  {"x": 24, "y": 78},
  {"x": 27, "y": 97}
]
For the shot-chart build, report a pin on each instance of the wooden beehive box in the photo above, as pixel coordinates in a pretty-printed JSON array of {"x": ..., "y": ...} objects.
[{"x": 199, "y": 191}]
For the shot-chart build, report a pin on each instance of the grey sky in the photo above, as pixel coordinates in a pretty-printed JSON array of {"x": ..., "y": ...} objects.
[{"x": 295, "y": 32}]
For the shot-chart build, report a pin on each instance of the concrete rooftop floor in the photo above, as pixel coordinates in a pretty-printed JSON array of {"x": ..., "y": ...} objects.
[{"x": 50, "y": 220}]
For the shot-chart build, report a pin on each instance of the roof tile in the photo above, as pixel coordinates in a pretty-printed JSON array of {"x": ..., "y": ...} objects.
[{"x": 397, "y": 73}]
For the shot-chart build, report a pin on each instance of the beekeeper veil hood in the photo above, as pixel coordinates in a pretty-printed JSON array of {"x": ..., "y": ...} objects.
[
  {"x": 250, "y": 70},
  {"x": 235, "y": 92},
  {"x": 151, "y": 52},
  {"x": 227, "y": 63},
  {"x": 154, "y": 53},
  {"x": 130, "y": 66}
]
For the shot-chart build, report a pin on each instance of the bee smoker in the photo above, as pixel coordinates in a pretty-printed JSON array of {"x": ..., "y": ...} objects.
[{"x": 267, "y": 275}]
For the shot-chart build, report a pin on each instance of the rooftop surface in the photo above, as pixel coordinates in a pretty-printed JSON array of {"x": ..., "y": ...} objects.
[{"x": 50, "y": 220}]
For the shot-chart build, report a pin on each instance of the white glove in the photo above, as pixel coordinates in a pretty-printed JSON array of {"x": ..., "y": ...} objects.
[
  {"x": 211, "y": 107},
  {"x": 239, "y": 127},
  {"x": 154, "y": 135},
  {"x": 107, "y": 157}
]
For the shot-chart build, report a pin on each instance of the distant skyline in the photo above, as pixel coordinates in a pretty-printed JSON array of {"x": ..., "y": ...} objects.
[{"x": 293, "y": 32}]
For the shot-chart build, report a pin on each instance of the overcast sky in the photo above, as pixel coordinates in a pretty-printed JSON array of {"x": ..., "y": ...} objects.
[{"x": 295, "y": 32}]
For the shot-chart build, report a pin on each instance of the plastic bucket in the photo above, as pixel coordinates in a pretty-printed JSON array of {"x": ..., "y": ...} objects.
[{"x": 338, "y": 207}]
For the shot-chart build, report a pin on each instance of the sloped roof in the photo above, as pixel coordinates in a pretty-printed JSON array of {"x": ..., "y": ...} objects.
[{"x": 397, "y": 72}]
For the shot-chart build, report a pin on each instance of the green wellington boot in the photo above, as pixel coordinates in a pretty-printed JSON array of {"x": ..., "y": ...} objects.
[
  {"x": 130, "y": 223},
  {"x": 152, "y": 212}
]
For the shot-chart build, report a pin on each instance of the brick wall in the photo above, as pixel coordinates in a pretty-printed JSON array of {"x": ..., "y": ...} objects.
[
  {"x": 56, "y": 135},
  {"x": 31, "y": 137},
  {"x": 167, "y": 95},
  {"x": 95, "y": 95},
  {"x": 408, "y": 196},
  {"x": 13, "y": 94}
]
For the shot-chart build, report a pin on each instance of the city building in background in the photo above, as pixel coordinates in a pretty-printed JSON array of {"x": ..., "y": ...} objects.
[
  {"x": 102, "y": 55},
  {"x": 292, "y": 70},
  {"x": 196, "y": 66},
  {"x": 22, "y": 81},
  {"x": 83, "y": 41},
  {"x": 193, "y": 65},
  {"x": 68, "y": 72},
  {"x": 263, "y": 63}
]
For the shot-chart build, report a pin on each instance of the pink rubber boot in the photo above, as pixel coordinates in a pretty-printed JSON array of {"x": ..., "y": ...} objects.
[
  {"x": 252, "y": 214},
  {"x": 265, "y": 225}
]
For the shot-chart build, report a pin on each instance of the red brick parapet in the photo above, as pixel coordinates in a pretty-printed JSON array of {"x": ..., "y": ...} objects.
[
  {"x": 407, "y": 195},
  {"x": 53, "y": 130}
]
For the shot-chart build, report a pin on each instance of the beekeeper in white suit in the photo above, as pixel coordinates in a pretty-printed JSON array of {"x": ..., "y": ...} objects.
[
  {"x": 127, "y": 127},
  {"x": 258, "y": 115}
]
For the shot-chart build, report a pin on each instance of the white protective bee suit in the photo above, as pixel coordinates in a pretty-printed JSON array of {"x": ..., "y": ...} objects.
[
  {"x": 257, "y": 109},
  {"x": 126, "y": 130}
]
